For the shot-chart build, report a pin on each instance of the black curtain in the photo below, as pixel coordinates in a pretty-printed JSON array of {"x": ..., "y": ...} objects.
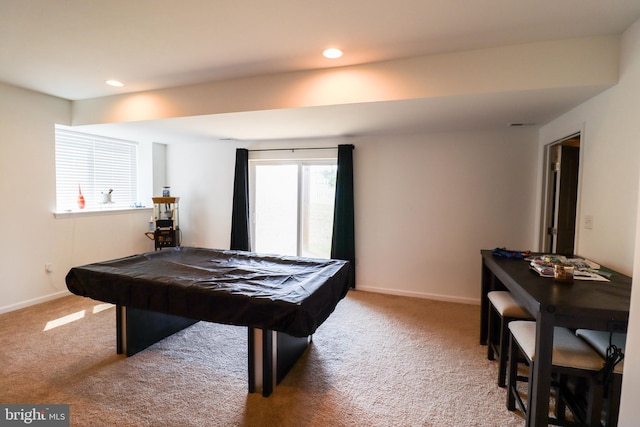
[
  {"x": 240, "y": 225},
  {"x": 343, "y": 244}
]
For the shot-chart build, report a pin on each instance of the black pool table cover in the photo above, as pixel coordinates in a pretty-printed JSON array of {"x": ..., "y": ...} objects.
[{"x": 281, "y": 293}]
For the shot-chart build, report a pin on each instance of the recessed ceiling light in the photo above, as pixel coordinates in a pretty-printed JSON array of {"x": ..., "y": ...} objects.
[
  {"x": 332, "y": 53},
  {"x": 114, "y": 83}
]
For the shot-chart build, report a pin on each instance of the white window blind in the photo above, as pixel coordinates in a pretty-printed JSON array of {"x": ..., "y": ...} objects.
[{"x": 94, "y": 165}]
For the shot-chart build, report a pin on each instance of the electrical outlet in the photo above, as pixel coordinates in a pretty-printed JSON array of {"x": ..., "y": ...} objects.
[{"x": 588, "y": 222}]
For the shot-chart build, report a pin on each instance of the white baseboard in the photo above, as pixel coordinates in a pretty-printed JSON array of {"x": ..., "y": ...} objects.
[
  {"x": 34, "y": 301},
  {"x": 422, "y": 295}
]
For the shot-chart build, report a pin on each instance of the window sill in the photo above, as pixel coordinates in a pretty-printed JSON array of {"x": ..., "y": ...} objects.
[{"x": 99, "y": 212}]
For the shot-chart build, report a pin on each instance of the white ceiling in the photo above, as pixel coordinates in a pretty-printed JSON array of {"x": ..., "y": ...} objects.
[{"x": 68, "y": 48}]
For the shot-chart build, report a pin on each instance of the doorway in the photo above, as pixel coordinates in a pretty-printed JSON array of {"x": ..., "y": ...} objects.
[
  {"x": 561, "y": 195},
  {"x": 292, "y": 206}
]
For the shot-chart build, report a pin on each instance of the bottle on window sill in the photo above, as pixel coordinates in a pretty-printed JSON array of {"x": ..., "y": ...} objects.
[{"x": 80, "y": 198}]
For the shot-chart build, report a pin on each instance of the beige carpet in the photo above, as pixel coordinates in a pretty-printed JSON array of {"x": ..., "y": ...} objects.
[{"x": 379, "y": 360}]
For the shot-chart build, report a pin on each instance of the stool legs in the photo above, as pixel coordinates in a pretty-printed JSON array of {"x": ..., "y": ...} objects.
[
  {"x": 594, "y": 403},
  {"x": 613, "y": 401},
  {"x": 588, "y": 415},
  {"x": 513, "y": 397},
  {"x": 502, "y": 346},
  {"x": 490, "y": 330},
  {"x": 513, "y": 373},
  {"x": 504, "y": 353},
  {"x": 502, "y": 310}
]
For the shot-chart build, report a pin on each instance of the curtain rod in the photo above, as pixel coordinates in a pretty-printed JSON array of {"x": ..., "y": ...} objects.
[{"x": 294, "y": 149}]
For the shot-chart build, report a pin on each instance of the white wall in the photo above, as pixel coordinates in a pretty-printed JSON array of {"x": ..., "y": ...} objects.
[
  {"x": 631, "y": 374},
  {"x": 609, "y": 190},
  {"x": 31, "y": 235},
  {"x": 610, "y": 162},
  {"x": 201, "y": 174},
  {"x": 629, "y": 106},
  {"x": 425, "y": 204},
  {"x": 28, "y": 191}
]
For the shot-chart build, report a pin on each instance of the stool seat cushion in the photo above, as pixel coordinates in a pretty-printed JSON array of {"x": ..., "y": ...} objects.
[
  {"x": 506, "y": 306},
  {"x": 568, "y": 350},
  {"x": 599, "y": 340}
]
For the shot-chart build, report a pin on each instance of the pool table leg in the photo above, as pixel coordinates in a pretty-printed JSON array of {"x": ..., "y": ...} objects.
[
  {"x": 137, "y": 329},
  {"x": 271, "y": 355}
]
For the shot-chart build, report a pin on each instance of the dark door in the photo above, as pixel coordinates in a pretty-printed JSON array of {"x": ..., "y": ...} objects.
[{"x": 567, "y": 199}]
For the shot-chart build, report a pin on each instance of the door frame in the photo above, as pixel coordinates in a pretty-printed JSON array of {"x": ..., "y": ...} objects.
[
  {"x": 549, "y": 194},
  {"x": 282, "y": 160}
]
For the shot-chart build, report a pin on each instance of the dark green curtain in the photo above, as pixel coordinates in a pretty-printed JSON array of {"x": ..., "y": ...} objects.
[
  {"x": 240, "y": 225},
  {"x": 343, "y": 243}
]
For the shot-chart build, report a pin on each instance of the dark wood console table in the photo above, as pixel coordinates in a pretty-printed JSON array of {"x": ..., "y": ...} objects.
[{"x": 583, "y": 304}]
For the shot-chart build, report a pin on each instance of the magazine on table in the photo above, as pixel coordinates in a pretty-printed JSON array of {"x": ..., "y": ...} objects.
[{"x": 584, "y": 269}]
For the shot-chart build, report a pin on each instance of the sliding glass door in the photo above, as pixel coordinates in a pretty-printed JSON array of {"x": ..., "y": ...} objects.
[{"x": 292, "y": 207}]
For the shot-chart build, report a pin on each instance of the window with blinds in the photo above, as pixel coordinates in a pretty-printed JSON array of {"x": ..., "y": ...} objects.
[{"x": 103, "y": 169}]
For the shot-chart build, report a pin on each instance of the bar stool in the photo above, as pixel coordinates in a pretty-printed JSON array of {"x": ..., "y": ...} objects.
[
  {"x": 600, "y": 342},
  {"x": 572, "y": 358},
  {"x": 507, "y": 309}
]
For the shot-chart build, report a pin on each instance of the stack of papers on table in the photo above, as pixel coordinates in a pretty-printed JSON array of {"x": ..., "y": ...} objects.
[{"x": 583, "y": 268}]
